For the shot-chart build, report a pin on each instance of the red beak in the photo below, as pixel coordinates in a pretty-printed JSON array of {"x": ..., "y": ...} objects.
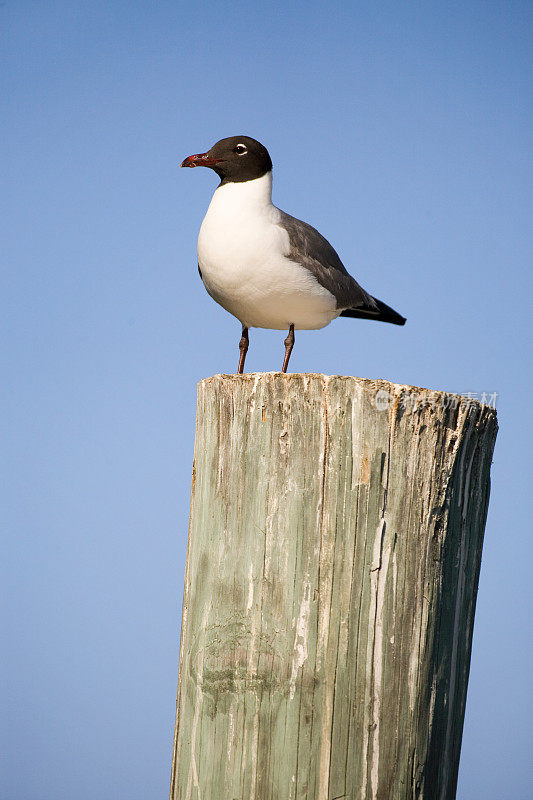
[{"x": 200, "y": 160}]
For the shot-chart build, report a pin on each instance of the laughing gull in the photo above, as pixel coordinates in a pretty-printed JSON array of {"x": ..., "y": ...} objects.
[{"x": 268, "y": 269}]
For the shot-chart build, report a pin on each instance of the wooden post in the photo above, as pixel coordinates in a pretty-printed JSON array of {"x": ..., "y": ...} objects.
[{"x": 334, "y": 550}]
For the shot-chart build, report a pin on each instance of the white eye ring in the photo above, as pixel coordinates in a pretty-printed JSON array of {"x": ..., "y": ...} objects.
[{"x": 240, "y": 149}]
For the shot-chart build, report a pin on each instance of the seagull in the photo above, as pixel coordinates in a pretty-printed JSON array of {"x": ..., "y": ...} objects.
[{"x": 268, "y": 269}]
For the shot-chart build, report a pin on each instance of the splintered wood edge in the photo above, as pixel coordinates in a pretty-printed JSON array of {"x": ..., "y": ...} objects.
[{"x": 396, "y": 390}]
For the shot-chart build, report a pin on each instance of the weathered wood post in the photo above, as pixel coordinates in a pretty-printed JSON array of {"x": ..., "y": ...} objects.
[{"x": 334, "y": 550}]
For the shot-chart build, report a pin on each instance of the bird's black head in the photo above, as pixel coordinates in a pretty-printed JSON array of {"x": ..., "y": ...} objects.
[{"x": 235, "y": 159}]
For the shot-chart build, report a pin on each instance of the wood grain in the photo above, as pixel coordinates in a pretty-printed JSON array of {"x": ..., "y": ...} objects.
[{"x": 334, "y": 551}]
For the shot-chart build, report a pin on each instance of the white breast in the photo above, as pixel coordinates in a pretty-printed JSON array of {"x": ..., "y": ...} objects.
[{"x": 242, "y": 254}]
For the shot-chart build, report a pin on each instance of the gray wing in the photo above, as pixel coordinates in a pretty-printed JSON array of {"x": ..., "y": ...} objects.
[{"x": 312, "y": 251}]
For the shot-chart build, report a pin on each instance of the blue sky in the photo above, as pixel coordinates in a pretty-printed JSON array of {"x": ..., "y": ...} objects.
[{"x": 403, "y": 132}]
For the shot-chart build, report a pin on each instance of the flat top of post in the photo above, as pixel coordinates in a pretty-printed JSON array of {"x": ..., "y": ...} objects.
[{"x": 386, "y": 393}]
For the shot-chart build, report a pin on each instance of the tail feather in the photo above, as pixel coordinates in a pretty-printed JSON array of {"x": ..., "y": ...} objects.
[{"x": 383, "y": 313}]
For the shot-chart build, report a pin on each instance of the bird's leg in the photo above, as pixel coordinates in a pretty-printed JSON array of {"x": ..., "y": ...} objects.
[
  {"x": 243, "y": 347},
  {"x": 289, "y": 344}
]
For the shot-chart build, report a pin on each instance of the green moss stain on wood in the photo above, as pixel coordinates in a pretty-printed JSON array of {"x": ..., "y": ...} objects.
[{"x": 332, "y": 568}]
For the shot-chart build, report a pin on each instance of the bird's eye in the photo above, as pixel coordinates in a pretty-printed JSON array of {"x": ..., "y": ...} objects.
[{"x": 240, "y": 149}]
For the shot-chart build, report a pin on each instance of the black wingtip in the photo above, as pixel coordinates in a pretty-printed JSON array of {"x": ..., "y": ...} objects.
[{"x": 384, "y": 313}]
